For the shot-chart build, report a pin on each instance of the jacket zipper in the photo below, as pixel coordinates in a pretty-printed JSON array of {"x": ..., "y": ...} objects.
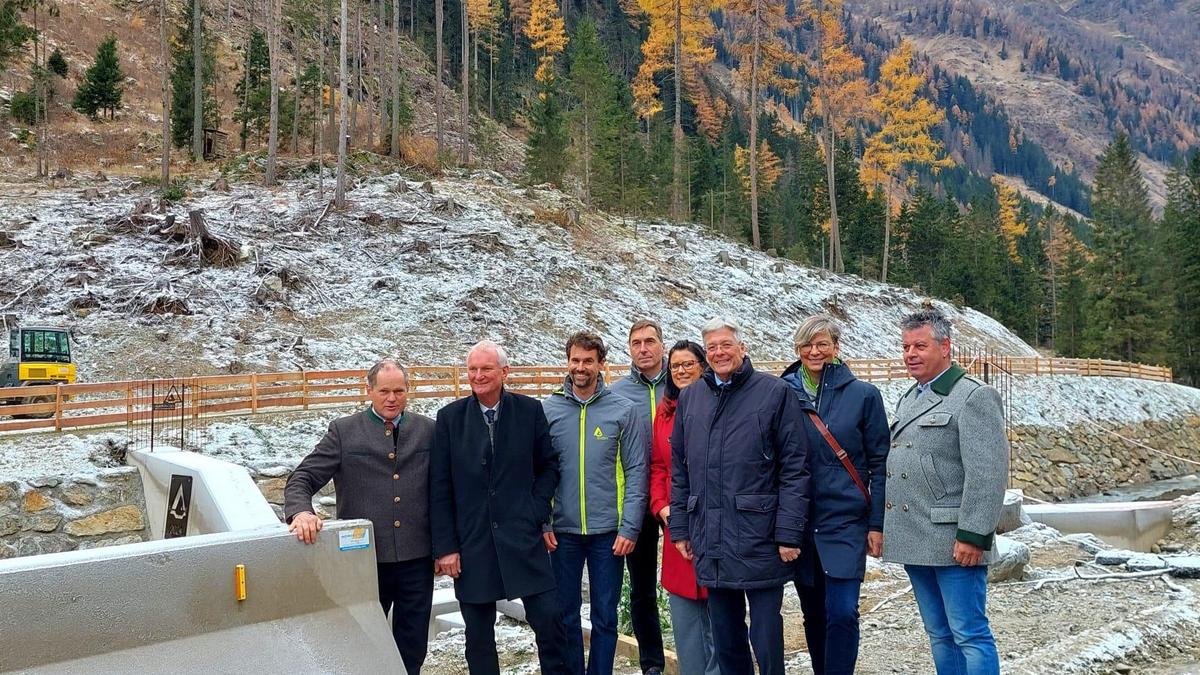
[{"x": 582, "y": 473}]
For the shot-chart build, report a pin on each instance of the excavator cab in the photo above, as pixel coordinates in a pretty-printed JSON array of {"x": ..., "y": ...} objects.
[{"x": 37, "y": 355}]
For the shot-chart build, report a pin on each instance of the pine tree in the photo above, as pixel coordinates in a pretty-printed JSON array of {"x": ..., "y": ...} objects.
[
  {"x": 593, "y": 91},
  {"x": 57, "y": 63},
  {"x": 1181, "y": 221},
  {"x": 101, "y": 89},
  {"x": 840, "y": 97},
  {"x": 762, "y": 54},
  {"x": 903, "y": 140},
  {"x": 13, "y": 32},
  {"x": 1126, "y": 317},
  {"x": 546, "y": 156},
  {"x": 253, "y": 90},
  {"x": 182, "y": 76}
]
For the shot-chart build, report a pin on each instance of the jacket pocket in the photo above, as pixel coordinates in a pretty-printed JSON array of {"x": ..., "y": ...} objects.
[
  {"x": 943, "y": 514},
  {"x": 756, "y": 524},
  {"x": 936, "y": 486},
  {"x": 691, "y": 503},
  {"x": 937, "y": 419}
]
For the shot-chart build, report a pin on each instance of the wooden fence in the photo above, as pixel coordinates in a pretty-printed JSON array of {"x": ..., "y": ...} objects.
[{"x": 67, "y": 406}]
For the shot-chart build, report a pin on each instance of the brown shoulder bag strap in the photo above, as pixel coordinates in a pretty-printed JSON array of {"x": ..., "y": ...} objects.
[{"x": 840, "y": 453}]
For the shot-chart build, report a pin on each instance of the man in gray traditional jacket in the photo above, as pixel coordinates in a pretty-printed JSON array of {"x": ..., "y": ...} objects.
[
  {"x": 946, "y": 475},
  {"x": 379, "y": 462}
]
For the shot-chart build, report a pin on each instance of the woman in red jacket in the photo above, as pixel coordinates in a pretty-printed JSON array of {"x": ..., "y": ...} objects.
[{"x": 688, "y": 600}]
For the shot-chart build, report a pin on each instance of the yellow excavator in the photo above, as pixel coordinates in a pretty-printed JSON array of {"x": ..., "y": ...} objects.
[{"x": 37, "y": 355}]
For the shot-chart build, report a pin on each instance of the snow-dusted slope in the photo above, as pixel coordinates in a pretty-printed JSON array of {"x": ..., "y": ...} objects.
[{"x": 407, "y": 273}]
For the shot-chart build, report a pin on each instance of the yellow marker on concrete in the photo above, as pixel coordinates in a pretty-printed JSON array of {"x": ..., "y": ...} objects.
[{"x": 239, "y": 575}]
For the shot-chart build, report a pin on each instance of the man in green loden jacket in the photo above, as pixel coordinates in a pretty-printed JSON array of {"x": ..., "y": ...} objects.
[{"x": 601, "y": 498}]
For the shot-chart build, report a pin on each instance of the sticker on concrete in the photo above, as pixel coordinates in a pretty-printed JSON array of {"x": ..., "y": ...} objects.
[
  {"x": 353, "y": 540},
  {"x": 179, "y": 506}
]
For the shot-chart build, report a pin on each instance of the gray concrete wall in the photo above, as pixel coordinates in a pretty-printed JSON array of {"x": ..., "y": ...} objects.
[{"x": 169, "y": 606}]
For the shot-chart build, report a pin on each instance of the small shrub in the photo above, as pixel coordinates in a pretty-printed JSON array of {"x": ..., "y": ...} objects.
[
  {"x": 174, "y": 192},
  {"x": 23, "y": 108},
  {"x": 420, "y": 151}
]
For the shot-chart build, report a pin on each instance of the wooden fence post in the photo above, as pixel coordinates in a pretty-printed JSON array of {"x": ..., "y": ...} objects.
[
  {"x": 254, "y": 392},
  {"x": 129, "y": 405},
  {"x": 58, "y": 411},
  {"x": 304, "y": 388},
  {"x": 455, "y": 375}
]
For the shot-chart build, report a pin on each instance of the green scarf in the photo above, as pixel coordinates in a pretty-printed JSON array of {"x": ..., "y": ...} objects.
[{"x": 812, "y": 384}]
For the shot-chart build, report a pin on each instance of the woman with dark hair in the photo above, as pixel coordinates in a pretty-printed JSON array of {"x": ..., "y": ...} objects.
[
  {"x": 848, "y": 439},
  {"x": 688, "y": 600}
]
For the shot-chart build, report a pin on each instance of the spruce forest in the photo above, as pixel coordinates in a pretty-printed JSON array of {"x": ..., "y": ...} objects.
[{"x": 812, "y": 129}]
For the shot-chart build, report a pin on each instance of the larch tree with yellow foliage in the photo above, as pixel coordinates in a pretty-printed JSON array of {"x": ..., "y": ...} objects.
[
  {"x": 1012, "y": 228},
  {"x": 485, "y": 18},
  {"x": 546, "y": 157},
  {"x": 904, "y": 141},
  {"x": 769, "y": 167},
  {"x": 840, "y": 97},
  {"x": 547, "y": 35},
  {"x": 761, "y": 52},
  {"x": 679, "y": 38}
]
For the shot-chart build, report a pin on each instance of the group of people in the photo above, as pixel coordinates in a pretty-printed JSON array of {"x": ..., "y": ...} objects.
[{"x": 755, "y": 482}]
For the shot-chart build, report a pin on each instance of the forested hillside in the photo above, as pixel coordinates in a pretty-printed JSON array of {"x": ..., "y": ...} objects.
[{"x": 811, "y": 129}]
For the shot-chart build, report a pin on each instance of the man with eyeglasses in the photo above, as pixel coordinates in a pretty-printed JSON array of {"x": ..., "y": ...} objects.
[
  {"x": 739, "y": 497},
  {"x": 644, "y": 386},
  {"x": 493, "y": 473}
]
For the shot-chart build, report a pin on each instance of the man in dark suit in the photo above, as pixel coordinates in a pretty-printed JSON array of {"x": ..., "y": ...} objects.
[
  {"x": 493, "y": 474},
  {"x": 379, "y": 462}
]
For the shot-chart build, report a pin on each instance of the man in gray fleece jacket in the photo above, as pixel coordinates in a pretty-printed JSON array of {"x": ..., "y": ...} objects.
[{"x": 601, "y": 497}]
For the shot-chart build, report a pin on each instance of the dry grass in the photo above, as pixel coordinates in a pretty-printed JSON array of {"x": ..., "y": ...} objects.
[{"x": 420, "y": 151}]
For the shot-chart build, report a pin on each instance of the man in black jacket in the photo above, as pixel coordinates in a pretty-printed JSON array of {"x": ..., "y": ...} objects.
[
  {"x": 493, "y": 474},
  {"x": 379, "y": 462},
  {"x": 739, "y": 497}
]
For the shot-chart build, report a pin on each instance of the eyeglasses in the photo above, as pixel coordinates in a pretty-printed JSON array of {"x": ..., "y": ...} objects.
[
  {"x": 823, "y": 346},
  {"x": 684, "y": 365}
]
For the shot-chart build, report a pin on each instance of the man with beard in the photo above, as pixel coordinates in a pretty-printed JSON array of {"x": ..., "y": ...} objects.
[{"x": 601, "y": 498}]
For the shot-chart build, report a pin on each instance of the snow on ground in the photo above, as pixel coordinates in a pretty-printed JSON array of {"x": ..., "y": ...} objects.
[{"x": 407, "y": 273}]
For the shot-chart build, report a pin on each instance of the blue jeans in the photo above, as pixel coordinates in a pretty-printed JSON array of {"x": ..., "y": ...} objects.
[
  {"x": 953, "y": 604},
  {"x": 830, "y": 609},
  {"x": 605, "y": 573},
  {"x": 693, "y": 636}
]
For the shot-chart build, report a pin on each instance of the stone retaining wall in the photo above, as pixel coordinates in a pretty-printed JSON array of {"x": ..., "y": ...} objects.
[
  {"x": 1062, "y": 462},
  {"x": 50, "y": 514}
]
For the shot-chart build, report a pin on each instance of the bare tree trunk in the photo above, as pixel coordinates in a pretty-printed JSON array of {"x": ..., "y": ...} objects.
[
  {"x": 296, "y": 100},
  {"x": 755, "y": 57},
  {"x": 491, "y": 79},
  {"x": 381, "y": 75},
  {"x": 273, "y": 55},
  {"x": 437, "y": 82},
  {"x": 396, "y": 79},
  {"x": 339, "y": 197},
  {"x": 887, "y": 232},
  {"x": 165, "y": 82},
  {"x": 197, "y": 84},
  {"x": 835, "y": 236},
  {"x": 464, "y": 70},
  {"x": 372, "y": 79},
  {"x": 412, "y": 18},
  {"x": 319, "y": 119},
  {"x": 357, "y": 75},
  {"x": 41, "y": 98},
  {"x": 677, "y": 132}
]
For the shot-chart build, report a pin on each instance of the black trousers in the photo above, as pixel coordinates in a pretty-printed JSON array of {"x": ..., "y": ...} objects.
[
  {"x": 406, "y": 590},
  {"x": 643, "y": 596},
  {"x": 727, "y": 613},
  {"x": 541, "y": 612}
]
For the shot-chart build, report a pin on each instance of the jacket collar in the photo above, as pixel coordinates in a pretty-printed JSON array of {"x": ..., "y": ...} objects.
[
  {"x": 736, "y": 380},
  {"x": 946, "y": 381},
  {"x": 836, "y": 375},
  {"x": 637, "y": 376},
  {"x": 568, "y": 392}
]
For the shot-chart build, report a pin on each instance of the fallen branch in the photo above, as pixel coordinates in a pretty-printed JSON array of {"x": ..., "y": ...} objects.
[
  {"x": 28, "y": 288},
  {"x": 882, "y": 603},
  {"x": 317, "y": 222},
  {"x": 1122, "y": 576}
]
